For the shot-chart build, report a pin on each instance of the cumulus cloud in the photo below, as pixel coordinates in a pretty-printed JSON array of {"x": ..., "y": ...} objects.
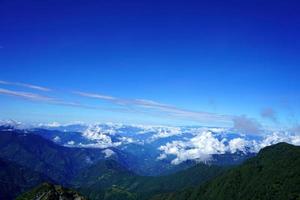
[
  {"x": 238, "y": 144},
  {"x": 30, "y": 86},
  {"x": 246, "y": 125},
  {"x": 202, "y": 146},
  {"x": 96, "y": 133},
  {"x": 52, "y": 124},
  {"x": 277, "y": 137},
  {"x": 108, "y": 153},
  {"x": 71, "y": 143},
  {"x": 128, "y": 140},
  {"x": 56, "y": 139},
  {"x": 165, "y": 131},
  {"x": 100, "y": 136},
  {"x": 198, "y": 148},
  {"x": 270, "y": 114}
]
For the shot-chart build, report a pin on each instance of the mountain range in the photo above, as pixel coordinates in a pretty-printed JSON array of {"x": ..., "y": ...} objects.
[
  {"x": 108, "y": 162},
  {"x": 149, "y": 150},
  {"x": 80, "y": 168}
]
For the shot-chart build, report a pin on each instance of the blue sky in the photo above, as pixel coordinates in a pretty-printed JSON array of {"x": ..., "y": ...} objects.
[{"x": 170, "y": 62}]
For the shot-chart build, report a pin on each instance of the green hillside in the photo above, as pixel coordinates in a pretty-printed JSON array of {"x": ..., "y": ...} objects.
[
  {"x": 108, "y": 177},
  {"x": 274, "y": 174},
  {"x": 47, "y": 191}
]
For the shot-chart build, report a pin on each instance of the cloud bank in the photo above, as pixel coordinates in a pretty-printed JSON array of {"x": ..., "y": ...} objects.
[
  {"x": 177, "y": 144},
  {"x": 206, "y": 143}
]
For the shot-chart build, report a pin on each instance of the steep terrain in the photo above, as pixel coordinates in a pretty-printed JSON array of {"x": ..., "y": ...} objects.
[
  {"x": 43, "y": 156},
  {"x": 47, "y": 191},
  {"x": 107, "y": 177},
  {"x": 15, "y": 179},
  {"x": 27, "y": 160},
  {"x": 273, "y": 174},
  {"x": 89, "y": 170}
]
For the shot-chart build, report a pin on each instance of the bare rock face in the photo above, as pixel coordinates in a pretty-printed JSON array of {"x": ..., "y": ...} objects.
[{"x": 47, "y": 191}]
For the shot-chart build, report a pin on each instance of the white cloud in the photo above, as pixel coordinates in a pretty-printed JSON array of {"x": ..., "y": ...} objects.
[
  {"x": 100, "y": 136},
  {"x": 108, "y": 153},
  {"x": 204, "y": 144},
  {"x": 164, "y": 132},
  {"x": 199, "y": 148},
  {"x": 56, "y": 139},
  {"x": 12, "y": 123},
  {"x": 277, "y": 137},
  {"x": 71, "y": 143},
  {"x": 98, "y": 132},
  {"x": 52, "y": 124},
  {"x": 127, "y": 140},
  {"x": 238, "y": 144},
  {"x": 95, "y": 133}
]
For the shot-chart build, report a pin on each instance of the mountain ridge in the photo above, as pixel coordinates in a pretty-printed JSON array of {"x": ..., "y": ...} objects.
[
  {"x": 15, "y": 179},
  {"x": 48, "y": 191},
  {"x": 273, "y": 174}
]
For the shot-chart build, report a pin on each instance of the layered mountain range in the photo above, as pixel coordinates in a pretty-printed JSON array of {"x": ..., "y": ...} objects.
[{"x": 113, "y": 161}]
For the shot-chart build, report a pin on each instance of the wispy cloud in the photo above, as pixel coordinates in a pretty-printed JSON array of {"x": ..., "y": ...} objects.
[
  {"x": 26, "y": 85},
  {"x": 97, "y": 96},
  {"x": 170, "y": 110},
  {"x": 39, "y": 98},
  {"x": 25, "y": 95},
  {"x": 138, "y": 106},
  {"x": 55, "y": 101},
  {"x": 121, "y": 101}
]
